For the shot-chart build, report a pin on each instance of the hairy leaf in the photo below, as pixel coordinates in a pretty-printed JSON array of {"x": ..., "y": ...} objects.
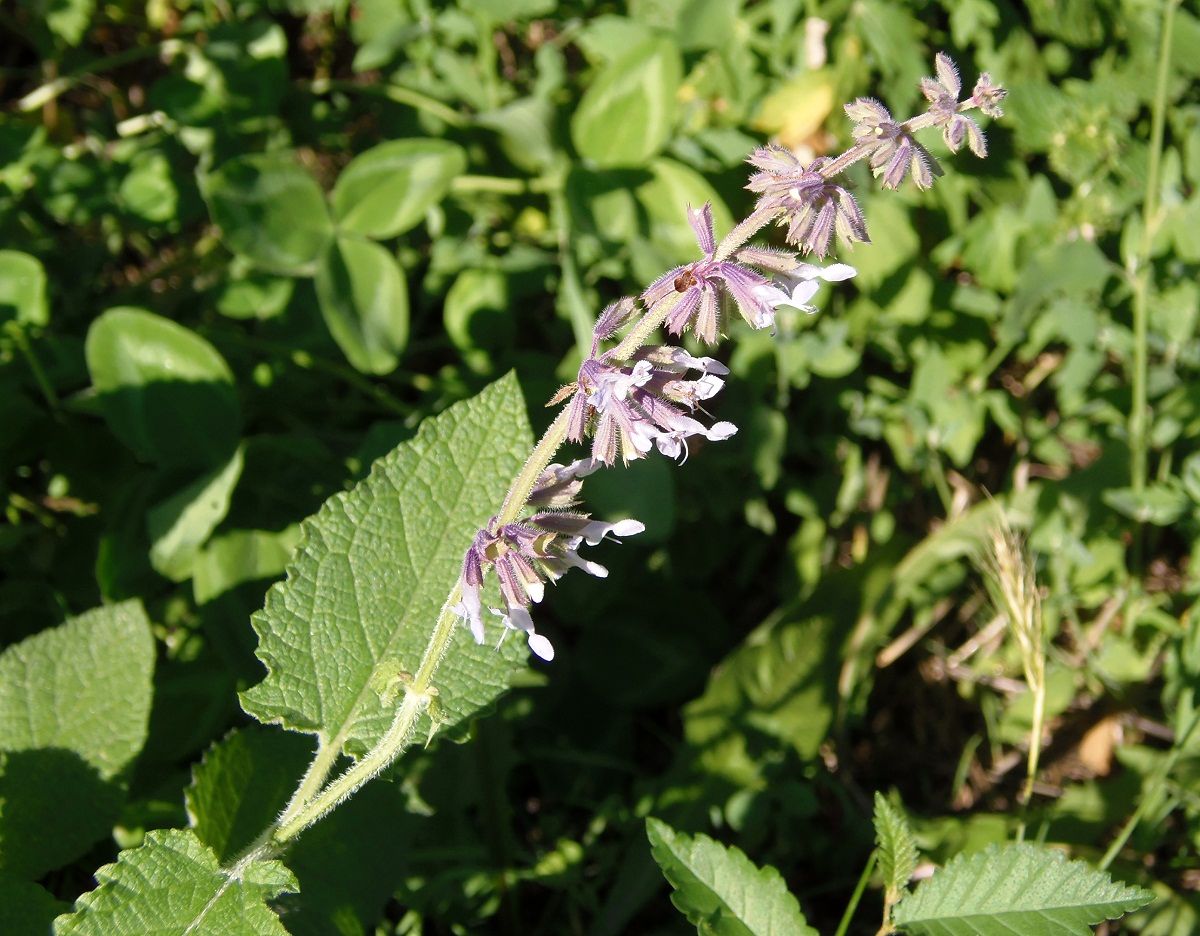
[
  {"x": 1015, "y": 889},
  {"x": 897, "y": 850},
  {"x": 74, "y": 707},
  {"x": 387, "y": 190},
  {"x": 173, "y": 885},
  {"x": 373, "y": 570},
  {"x": 721, "y": 890}
]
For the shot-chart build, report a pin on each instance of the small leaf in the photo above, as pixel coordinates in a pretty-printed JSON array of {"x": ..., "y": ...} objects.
[
  {"x": 1160, "y": 504},
  {"x": 181, "y": 524},
  {"x": 628, "y": 113},
  {"x": 22, "y": 289},
  {"x": 238, "y": 556},
  {"x": 388, "y": 189},
  {"x": 1015, "y": 889},
  {"x": 364, "y": 301},
  {"x": 174, "y": 884},
  {"x": 164, "y": 391},
  {"x": 897, "y": 850},
  {"x": 721, "y": 890},
  {"x": 271, "y": 211},
  {"x": 374, "y": 567},
  {"x": 74, "y": 709}
]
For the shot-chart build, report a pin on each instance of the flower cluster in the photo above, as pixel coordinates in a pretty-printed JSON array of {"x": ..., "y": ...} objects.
[{"x": 635, "y": 397}]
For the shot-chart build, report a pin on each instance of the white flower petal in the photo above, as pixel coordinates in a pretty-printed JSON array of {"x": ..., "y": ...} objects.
[
  {"x": 721, "y": 431},
  {"x": 541, "y": 647}
]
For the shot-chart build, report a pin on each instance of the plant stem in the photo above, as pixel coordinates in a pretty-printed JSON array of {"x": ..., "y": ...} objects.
[
  {"x": 389, "y": 747},
  {"x": 861, "y": 886},
  {"x": 518, "y": 492},
  {"x": 44, "y": 94},
  {"x": 398, "y": 94},
  {"x": 35, "y": 365},
  {"x": 1139, "y": 267}
]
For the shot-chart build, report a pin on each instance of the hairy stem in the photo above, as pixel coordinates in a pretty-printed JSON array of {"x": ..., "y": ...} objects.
[{"x": 859, "y": 888}]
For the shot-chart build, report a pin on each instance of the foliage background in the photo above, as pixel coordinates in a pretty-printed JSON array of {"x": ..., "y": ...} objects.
[{"x": 781, "y": 642}]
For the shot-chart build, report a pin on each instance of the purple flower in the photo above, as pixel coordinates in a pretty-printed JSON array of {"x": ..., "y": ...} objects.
[
  {"x": 811, "y": 206},
  {"x": 632, "y": 407},
  {"x": 701, "y": 284},
  {"x": 987, "y": 96},
  {"x": 895, "y": 152},
  {"x": 942, "y": 93},
  {"x": 526, "y": 554}
]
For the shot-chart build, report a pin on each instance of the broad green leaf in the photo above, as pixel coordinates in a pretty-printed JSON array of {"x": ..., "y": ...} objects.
[
  {"x": 387, "y": 190},
  {"x": 22, "y": 289},
  {"x": 256, "y": 296},
  {"x": 721, "y": 890},
  {"x": 271, "y": 211},
  {"x": 780, "y": 683},
  {"x": 242, "y": 784},
  {"x": 1160, "y": 504},
  {"x": 627, "y": 114},
  {"x": 74, "y": 708},
  {"x": 149, "y": 190},
  {"x": 173, "y": 885},
  {"x": 67, "y": 19},
  {"x": 26, "y": 907},
  {"x": 373, "y": 570},
  {"x": 180, "y": 525},
  {"x": 164, "y": 391},
  {"x": 897, "y": 850},
  {"x": 477, "y": 315},
  {"x": 1015, "y": 889},
  {"x": 364, "y": 301},
  {"x": 238, "y": 556}
]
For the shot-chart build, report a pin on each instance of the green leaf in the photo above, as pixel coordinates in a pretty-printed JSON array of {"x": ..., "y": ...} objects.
[
  {"x": 897, "y": 850},
  {"x": 722, "y": 891},
  {"x": 1160, "y": 504},
  {"x": 238, "y": 556},
  {"x": 271, "y": 211},
  {"x": 26, "y": 907},
  {"x": 149, "y": 190},
  {"x": 22, "y": 289},
  {"x": 74, "y": 709},
  {"x": 628, "y": 113},
  {"x": 181, "y": 524},
  {"x": 164, "y": 391},
  {"x": 1015, "y": 889},
  {"x": 374, "y": 567},
  {"x": 388, "y": 189},
  {"x": 665, "y": 198},
  {"x": 174, "y": 886},
  {"x": 364, "y": 301},
  {"x": 67, "y": 19},
  {"x": 242, "y": 784}
]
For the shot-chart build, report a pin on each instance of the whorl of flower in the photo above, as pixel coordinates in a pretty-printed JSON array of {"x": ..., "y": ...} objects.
[
  {"x": 944, "y": 110},
  {"x": 631, "y": 407},
  {"x": 811, "y": 206},
  {"x": 895, "y": 152},
  {"x": 700, "y": 284},
  {"x": 526, "y": 554},
  {"x": 987, "y": 96}
]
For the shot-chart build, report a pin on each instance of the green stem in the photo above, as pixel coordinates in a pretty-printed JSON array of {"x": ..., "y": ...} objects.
[
  {"x": 859, "y": 888},
  {"x": 550, "y": 442},
  {"x": 35, "y": 365},
  {"x": 398, "y": 94},
  {"x": 416, "y": 700},
  {"x": 1140, "y": 265},
  {"x": 42, "y": 95},
  {"x": 502, "y": 186}
]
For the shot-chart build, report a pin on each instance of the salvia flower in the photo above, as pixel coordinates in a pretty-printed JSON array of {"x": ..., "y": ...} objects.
[
  {"x": 701, "y": 284},
  {"x": 525, "y": 554},
  {"x": 631, "y": 407},
  {"x": 809, "y": 205},
  {"x": 796, "y": 288},
  {"x": 942, "y": 93},
  {"x": 894, "y": 150}
]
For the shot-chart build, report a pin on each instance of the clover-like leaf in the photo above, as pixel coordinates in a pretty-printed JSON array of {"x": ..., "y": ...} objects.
[
  {"x": 173, "y": 884},
  {"x": 22, "y": 289},
  {"x": 364, "y": 301},
  {"x": 721, "y": 890},
  {"x": 373, "y": 569},
  {"x": 1015, "y": 889}
]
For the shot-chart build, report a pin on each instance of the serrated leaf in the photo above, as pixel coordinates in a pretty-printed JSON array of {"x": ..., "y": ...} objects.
[
  {"x": 1015, "y": 889},
  {"x": 22, "y": 289},
  {"x": 364, "y": 301},
  {"x": 164, "y": 391},
  {"x": 627, "y": 114},
  {"x": 897, "y": 850},
  {"x": 74, "y": 708},
  {"x": 173, "y": 886},
  {"x": 373, "y": 569},
  {"x": 721, "y": 890},
  {"x": 271, "y": 211},
  {"x": 388, "y": 189},
  {"x": 179, "y": 525}
]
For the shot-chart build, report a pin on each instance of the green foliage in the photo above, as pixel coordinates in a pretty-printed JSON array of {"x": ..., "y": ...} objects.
[
  {"x": 1015, "y": 888},
  {"x": 897, "y": 850},
  {"x": 382, "y": 557},
  {"x": 173, "y": 884},
  {"x": 722, "y": 891}
]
